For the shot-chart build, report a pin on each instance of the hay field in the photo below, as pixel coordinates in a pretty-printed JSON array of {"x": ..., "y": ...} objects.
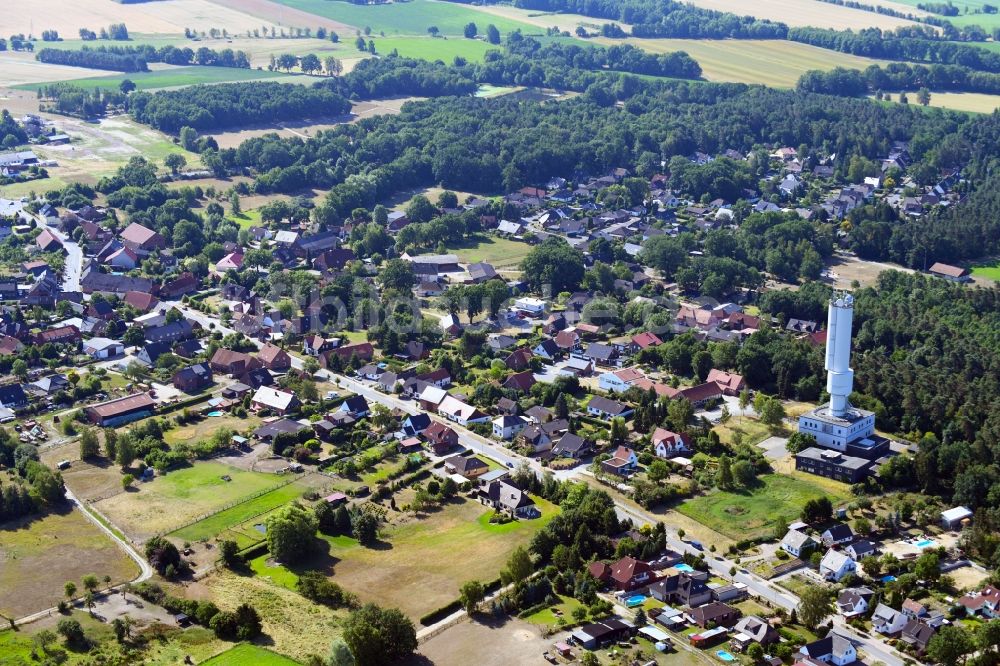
[
  {"x": 38, "y": 557},
  {"x": 798, "y": 13},
  {"x": 971, "y": 102},
  {"x": 166, "y": 17},
  {"x": 22, "y": 68},
  {"x": 773, "y": 63}
]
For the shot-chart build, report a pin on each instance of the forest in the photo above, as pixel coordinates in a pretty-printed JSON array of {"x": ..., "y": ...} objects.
[{"x": 232, "y": 104}]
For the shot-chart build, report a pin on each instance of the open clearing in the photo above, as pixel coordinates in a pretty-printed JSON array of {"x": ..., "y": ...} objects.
[
  {"x": 987, "y": 272},
  {"x": 513, "y": 642},
  {"x": 180, "y": 496},
  {"x": 813, "y": 13},
  {"x": 38, "y": 557},
  {"x": 773, "y": 63},
  {"x": 176, "y": 77},
  {"x": 743, "y": 515},
  {"x": 68, "y": 16},
  {"x": 848, "y": 268},
  {"x": 408, "y": 571},
  {"x": 249, "y": 654},
  {"x": 408, "y": 18}
]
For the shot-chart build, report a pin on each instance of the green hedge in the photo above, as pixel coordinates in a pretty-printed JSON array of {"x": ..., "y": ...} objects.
[{"x": 440, "y": 613}]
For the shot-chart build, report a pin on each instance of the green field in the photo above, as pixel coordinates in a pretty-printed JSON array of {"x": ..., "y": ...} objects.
[
  {"x": 175, "y": 77},
  {"x": 431, "y": 48},
  {"x": 745, "y": 515},
  {"x": 180, "y": 496},
  {"x": 244, "y": 654},
  {"x": 967, "y": 13},
  {"x": 408, "y": 18},
  {"x": 987, "y": 272},
  {"x": 256, "y": 508},
  {"x": 501, "y": 252},
  {"x": 769, "y": 62}
]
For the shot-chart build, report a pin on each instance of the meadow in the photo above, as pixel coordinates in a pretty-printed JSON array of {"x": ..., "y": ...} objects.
[
  {"x": 435, "y": 48},
  {"x": 39, "y": 556},
  {"x": 776, "y": 501},
  {"x": 246, "y": 653},
  {"x": 769, "y": 62},
  {"x": 987, "y": 271},
  {"x": 501, "y": 252},
  {"x": 408, "y": 572},
  {"x": 176, "y": 77},
  {"x": 970, "y": 13},
  {"x": 209, "y": 425},
  {"x": 170, "y": 501},
  {"x": 226, "y": 524},
  {"x": 409, "y": 18}
]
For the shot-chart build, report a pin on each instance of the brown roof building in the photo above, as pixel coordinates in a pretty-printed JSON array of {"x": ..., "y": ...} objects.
[
  {"x": 142, "y": 238},
  {"x": 275, "y": 358},
  {"x": 231, "y": 362},
  {"x": 121, "y": 410}
]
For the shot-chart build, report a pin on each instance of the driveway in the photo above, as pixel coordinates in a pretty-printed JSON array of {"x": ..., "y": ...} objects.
[{"x": 774, "y": 447}]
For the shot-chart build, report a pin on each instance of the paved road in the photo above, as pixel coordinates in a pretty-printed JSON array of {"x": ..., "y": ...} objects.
[
  {"x": 875, "y": 649},
  {"x": 145, "y": 571},
  {"x": 74, "y": 257}
]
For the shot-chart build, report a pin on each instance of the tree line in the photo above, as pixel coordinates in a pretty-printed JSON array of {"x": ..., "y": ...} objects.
[
  {"x": 136, "y": 58},
  {"x": 85, "y": 57},
  {"x": 898, "y": 76},
  {"x": 70, "y": 100}
]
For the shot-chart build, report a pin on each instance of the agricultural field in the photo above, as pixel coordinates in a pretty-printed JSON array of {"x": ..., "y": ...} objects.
[
  {"x": 180, "y": 496},
  {"x": 38, "y": 557},
  {"x": 748, "y": 514},
  {"x": 773, "y": 63},
  {"x": 228, "y": 524},
  {"x": 249, "y": 654},
  {"x": 430, "y": 48},
  {"x": 566, "y": 22},
  {"x": 409, "y": 18},
  {"x": 22, "y": 68},
  {"x": 157, "y": 18},
  {"x": 971, "y": 102},
  {"x": 814, "y": 13},
  {"x": 970, "y": 13},
  {"x": 409, "y": 572},
  {"x": 178, "y": 77}
]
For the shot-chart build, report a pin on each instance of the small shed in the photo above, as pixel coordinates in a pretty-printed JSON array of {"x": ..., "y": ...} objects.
[{"x": 954, "y": 519}]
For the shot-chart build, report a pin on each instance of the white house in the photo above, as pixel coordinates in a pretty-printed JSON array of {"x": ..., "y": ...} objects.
[
  {"x": 834, "y": 649},
  {"x": 853, "y": 601},
  {"x": 102, "y": 348},
  {"x": 837, "y": 535},
  {"x": 507, "y": 427},
  {"x": 835, "y": 565},
  {"x": 667, "y": 444},
  {"x": 797, "y": 543},
  {"x": 886, "y": 620},
  {"x": 280, "y": 402},
  {"x": 619, "y": 381},
  {"x": 461, "y": 413},
  {"x": 533, "y": 306}
]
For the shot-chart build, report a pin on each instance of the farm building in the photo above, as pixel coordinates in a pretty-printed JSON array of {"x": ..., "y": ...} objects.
[{"x": 121, "y": 410}]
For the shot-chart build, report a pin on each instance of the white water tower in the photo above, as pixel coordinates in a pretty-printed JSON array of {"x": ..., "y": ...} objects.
[{"x": 840, "y": 377}]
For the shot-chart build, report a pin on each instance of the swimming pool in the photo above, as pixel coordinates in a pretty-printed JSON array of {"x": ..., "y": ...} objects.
[
  {"x": 634, "y": 600},
  {"x": 214, "y": 414},
  {"x": 725, "y": 656},
  {"x": 924, "y": 543},
  {"x": 683, "y": 567},
  {"x": 888, "y": 579}
]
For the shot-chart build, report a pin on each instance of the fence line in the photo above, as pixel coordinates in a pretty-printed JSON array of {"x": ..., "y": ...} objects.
[{"x": 234, "y": 503}]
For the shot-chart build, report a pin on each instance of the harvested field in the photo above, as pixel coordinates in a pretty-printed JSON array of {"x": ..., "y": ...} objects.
[
  {"x": 971, "y": 102},
  {"x": 180, "y": 496},
  {"x": 513, "y": 642},
  {"x": 566, "y": 22},
  {"x": 37, "y": 557},
  {"x": 773, "y": 63},
  {"x": 68, "y": 16},
  {"x": 179, "y": 77},
  {"x": 812, "y": 13},
  {"x": 22, "y": 68},
  {"x": 277, "y": 13}
]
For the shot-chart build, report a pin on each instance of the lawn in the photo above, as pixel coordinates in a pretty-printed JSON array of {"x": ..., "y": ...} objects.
[
  {"x": 254, "y": 509},
  {"x": 751, "y": 430},
  {"x": 744, "y": 515},
  {"x": 180, "y": 496},
  {"x": 770, "y": 62},
  {"x": 430, "y": 48},
  {"x": 206, "y": 427},
  {"x": 38, "y": 557},
  {"x": 989, "y": 272},
  {"x": 408, "y": 570},
  {"x": 408, "y": 18},
  {"x": 501, "y": 252},
  {"x": 175, "y": 77},
  {"x": 546, "y": 617},
  {"x": 246, "y": 653}
]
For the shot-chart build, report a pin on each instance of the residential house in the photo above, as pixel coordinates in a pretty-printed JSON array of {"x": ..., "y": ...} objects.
[
  {"x": 837, "y": 535},
  {"x": 13, "y": 397},
  {"x": 507, "y": 427},
  {"x": 835, "y": 565},
  {"x": 572, "y": 446},
  {"x": 460, "y": 412},
  {"x": 913, "y": 610},
  {"x": 229, "y": 362},
  {"x": 984, "y": 603},
  {"x": 752, "y": 629},
  {"x": 274, "y": 400},
  {"x": 275, "y": 358},
  {"x": 714, "y": 614},
  {"x": 917, "y": 634},
  {"x": 441, "y": 438},
  {"x": 797, "y": 543},
  {"x": 103, "y": 348},
  {"x": 123, "y": 259},
  {"x": 619, "y": 381},
  {"x": 602, "y": 355},
  {"x": 645, "y": 340},
  {"x": 887, "y": 620},
  {"x": 363, "y": 351},
  {"x": 141, "y": 301},
  {"x": 171, "y": 332},
  {"x": 667, "y": 444},
  {"x": 521, "y": 381},
  {"x": 608, "y": 409},
  {"x": 506, "y": 497},
  {"x": 730, "y": 383},
  {"x": 231, "y": 262},
  {"x": 142, "y": 238},
  {"x": 629, "y": 574},
  {"x": 623, "y": 462},
  {"x": 860, "y": 549},
  {"x": 416, "y": 424},
  {"x": 519, "y": 359},
  {"x": 853, "y": 601},
  {"x": 431, "y": 397},
  {"x": 49, "y": 242},
  {"x": 356, "y": 406},
  {"x": 470, "y": 467},
  {"x": 834, "y": 649},
  {"x": 185, "y": 283},
  {"x": 10, "y": 345},
  {"x": 577, "y": 367},
  {"x": 193, "y": 379},
  {"x": 547, "y": 349},
  {"x": 687, "y": 588}
]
